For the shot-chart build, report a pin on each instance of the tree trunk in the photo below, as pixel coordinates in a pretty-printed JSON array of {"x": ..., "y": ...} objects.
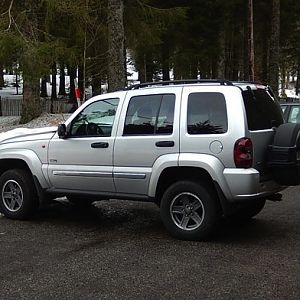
[
  {"x": 142, "y": 69},
  {"x": 62, "y": 80},
  {"x": 250, "y": 41},
  {"x": 222, "y": 55},
  {"x": 245, "y": 54},
  {"x": 298, "y": 80},
  {"x": 264, "y": 64},
  {"x": 53, "y": 87},
  {"x": 81, "y": 81},
  {"x": 31, "y": 104},
  {"x": 165, "y": 55},
  {"x": 274, "y": 47},
  {"x": 72, "y": 74},
  {"x": 1, "y": 77},
  {"x": 283, "y": 81},
  {"x": 116, "y": 69},
  {"x": 96, "y": 86},
  {"x": 44, "y": 87}
]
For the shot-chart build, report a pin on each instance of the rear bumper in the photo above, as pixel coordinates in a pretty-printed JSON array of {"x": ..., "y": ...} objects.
[{"x": 243, "y": 184}]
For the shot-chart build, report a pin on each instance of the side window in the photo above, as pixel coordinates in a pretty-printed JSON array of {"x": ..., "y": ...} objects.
[
  {"x": 206, "y": 113},
  {"x": 96, "y": 119},
  {"x": 294, "y": 116},
  {"x": 150, "y": 114}
]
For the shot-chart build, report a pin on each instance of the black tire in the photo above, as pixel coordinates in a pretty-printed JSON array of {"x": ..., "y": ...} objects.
[
  {"x": 80, "y": 200},
  {"x": 248, "y": 210},
  {"x": 18, "y": 197},
  {"x": 189, "y": 211},
  {"x": 286, "y": 135}
]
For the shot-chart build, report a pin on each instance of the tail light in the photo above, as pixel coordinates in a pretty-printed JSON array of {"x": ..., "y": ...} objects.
[{"x": 243, "y": 153}]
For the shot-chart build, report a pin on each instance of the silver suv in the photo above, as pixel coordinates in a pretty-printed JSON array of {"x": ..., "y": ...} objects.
[{"x": 199, "y": 149}]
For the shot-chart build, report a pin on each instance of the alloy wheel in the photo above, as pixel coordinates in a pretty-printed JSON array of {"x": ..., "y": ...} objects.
[
  {"x": 12, "y": 195},
  {"x": 187, "y": 211}
]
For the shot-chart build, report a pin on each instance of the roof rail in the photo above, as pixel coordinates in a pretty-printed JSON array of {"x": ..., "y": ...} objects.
[{"x": 173, "y": 82}]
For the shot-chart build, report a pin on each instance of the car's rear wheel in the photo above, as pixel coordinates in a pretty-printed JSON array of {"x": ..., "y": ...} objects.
[
  {"x": 189, "y": 211},
  {"x": 18, "y": 194}
]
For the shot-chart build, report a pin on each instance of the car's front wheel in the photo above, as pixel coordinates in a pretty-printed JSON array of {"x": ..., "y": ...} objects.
[
  {"x": 18, "y": 197},
  {"x": 189, "y": 210}
]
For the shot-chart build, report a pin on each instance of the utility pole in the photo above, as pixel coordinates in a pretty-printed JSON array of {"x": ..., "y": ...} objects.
[{"x": 250, "y": 41}]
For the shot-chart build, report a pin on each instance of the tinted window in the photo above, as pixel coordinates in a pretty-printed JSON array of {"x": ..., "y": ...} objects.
[
  {"x": 150, "y": 114},
  {"x": 294, "y": 116},
  {"x": 262, "y": 111},
  {"x": 206, "y": 113},
  {"x": 96, "y": 119}
]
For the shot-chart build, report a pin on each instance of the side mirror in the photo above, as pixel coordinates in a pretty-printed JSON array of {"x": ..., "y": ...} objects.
[{"x": 62, "y": 131}]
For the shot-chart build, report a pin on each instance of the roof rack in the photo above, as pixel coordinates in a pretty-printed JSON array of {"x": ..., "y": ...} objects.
[{"x": 174, "y": 82}]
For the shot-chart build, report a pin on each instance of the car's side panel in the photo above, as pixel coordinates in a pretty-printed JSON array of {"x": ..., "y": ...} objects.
[
  {"x": 78, "y": 163},
  {"x": 218, "y": 145},
  {"x": 137, "y": 154}
]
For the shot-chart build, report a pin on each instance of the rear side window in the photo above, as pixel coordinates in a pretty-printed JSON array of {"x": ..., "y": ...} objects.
[
  {"x": 150, "y": 114},
  {"x": 206, "y": 113},
  {"x": 262, "y": 111}
]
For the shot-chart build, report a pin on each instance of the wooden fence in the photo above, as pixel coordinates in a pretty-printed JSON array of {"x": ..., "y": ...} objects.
[{"x": 13, "y": 107}]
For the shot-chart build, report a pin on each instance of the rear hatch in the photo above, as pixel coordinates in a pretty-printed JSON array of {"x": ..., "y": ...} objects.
[{"x": 263, "y": 114}]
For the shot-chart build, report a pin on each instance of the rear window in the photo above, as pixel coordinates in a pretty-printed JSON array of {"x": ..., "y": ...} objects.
[{"x": 262, "y": 111}]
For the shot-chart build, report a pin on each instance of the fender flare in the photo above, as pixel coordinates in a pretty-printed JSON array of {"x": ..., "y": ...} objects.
[
  {"x": 30, "y": 158},
  {"x": 211, "y": 164}
]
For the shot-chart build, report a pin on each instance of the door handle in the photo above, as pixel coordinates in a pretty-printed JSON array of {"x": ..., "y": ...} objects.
[
  {"x": 165, "y": 144},
  {"x": 100, "y": 145}
]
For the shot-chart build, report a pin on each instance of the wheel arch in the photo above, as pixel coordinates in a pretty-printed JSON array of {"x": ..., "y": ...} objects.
[
  {"x": 23, "y": 159},
  {"x": 171, "y": 175},
  {"x": 13, "y": 163}
]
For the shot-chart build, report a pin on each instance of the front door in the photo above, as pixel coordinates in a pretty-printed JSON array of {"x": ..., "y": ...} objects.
[{"x": 83, "y": 160}]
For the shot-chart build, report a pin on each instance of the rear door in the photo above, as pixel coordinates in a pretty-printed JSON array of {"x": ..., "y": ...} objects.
[{"x": 148, "y": 131}]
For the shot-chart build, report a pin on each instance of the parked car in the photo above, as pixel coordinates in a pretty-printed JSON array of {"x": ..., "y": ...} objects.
[
  {"x": 291, "y": 111},
  {"x": 200, "y": 149}
]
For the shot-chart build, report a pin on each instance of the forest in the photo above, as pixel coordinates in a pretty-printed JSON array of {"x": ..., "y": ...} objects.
[{"x": 94, "y": 41}]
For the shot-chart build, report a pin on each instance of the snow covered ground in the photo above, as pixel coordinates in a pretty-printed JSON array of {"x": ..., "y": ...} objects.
[{"x": 45, "y": 120}]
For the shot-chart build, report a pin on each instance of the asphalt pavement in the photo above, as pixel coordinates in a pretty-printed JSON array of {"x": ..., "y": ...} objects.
[{"x": 120, "y": 250}]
